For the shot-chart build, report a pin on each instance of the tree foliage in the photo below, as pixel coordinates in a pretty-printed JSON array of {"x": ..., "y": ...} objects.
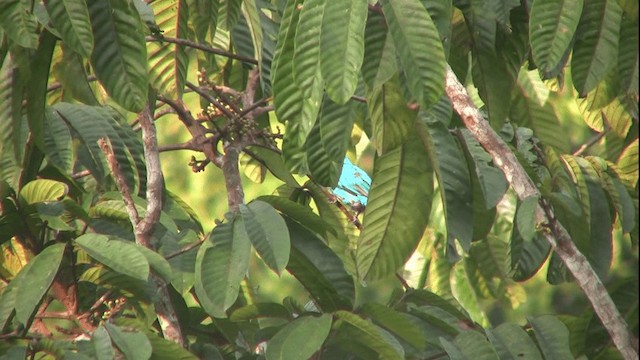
[{"x": 100, "y": 260}]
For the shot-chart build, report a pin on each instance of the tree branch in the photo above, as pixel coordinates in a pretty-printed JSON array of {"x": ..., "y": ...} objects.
[
  {"x": 558, "y": 237},
  {"x": 143, "y": 227},
  {"x": 205, "y": 48}
]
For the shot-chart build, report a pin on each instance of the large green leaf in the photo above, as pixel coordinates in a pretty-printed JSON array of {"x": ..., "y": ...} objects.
[
  {"x": 71, "y": 19},
  {"x": 342, "y": 47},
  {"x": 379, "y": 52},
  {"x": 57, "y": 141},
  {"x": 628, "y": 164},
  {"x": 596, "y": 46},
  {"x": 551, "y": 28},
  {"x": 628, "y": 56},
  {"x": 531, "y": 108},
  {"x": 204, "y": 15},
  {"x": 36, "y": 90},
  {"x": 402, "y": 325},
  {"x": 552, "y": 336},
  {"x": 120, "y": 53},
  {"x": 121, "y": 256},
  {"x": 300, "y": 339},
  {"x": 391, "y": 120},
  {"x": 101, "y": 342},
  {"x": 397, "y": 212},
  {"x": 418, "y": 43},
  {"x": 168, "y": 62},
  {"x": 306, "y": 58},
  {"x": 354, "y": 329},
  {"x": 469, "y": 345},
  {"x": 513, "y": 343},
  {"x": 491, "y": 179},
  {"x": 134, "y": 345},
  {"x": 328, "y": 142},
  {"x": 319, "y": 270},
  {"x": 268, "y": 233},
  {"x": 221, "y": 265},
  {"x": 42, "y": 190},
  {"x": 19, "y": 23},
  {"x": 39, "y": 275},
  {"x": 453, "y": 177},
  {"x": 466, "y": 291},
  {"x": 299, "y": 213}
]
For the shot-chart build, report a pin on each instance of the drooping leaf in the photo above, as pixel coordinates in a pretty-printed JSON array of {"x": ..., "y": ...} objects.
[
  {"x": 354, "y": 329},
  {"x": 418, "y": 42},
  {"x": 551, "y": 29},
  {"x": 328, "y": 142},
  {"x": 221, "y": 264},
  {"x": 512, "y": 342},
  {"x": 552, "y": 336},
  {"x": 397, "y": 211},
  {"x": 168, "y": 62},
  {"x": 628, "y": 164},
  {"x": 268, "y": 233},
  {"x": 391, "y": 119},
  {"x": 301, "y": 214},
  {"x": 525, "y": 217},
  {"x": 39, "y": 275},
  {"x": 596, "y": 45},
  {"x": 132, "y": 344},
  {"x": 380, "y": 62},
  {"x": 469, "y": 345},
  {"x": 319, "y": 270},
  {"x": 102, "y": 344},
  {"x": 121, "y": 256},
  {"x": 628, "y": 58},
  {"x": 453, "y": 177},
  {"x": 402, "y": 325},
  {"x": 299, "y": 339},
  {"x": 119, "y": 56},
  {"x": 306, "y": 58},
  {"x": 19, "y": 23},
  {"x": 342, "y": 47},
  {"x": 71, "y": 19}
]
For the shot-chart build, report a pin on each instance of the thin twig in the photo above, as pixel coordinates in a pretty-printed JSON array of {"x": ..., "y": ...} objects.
[
  {"x": 594, "y": 140},
  {"x": 202, "y": 47},
  {"x": 185, "y": 249},
  {"x": 112, "y": 162},
  {"x": 211, "y": 99}
]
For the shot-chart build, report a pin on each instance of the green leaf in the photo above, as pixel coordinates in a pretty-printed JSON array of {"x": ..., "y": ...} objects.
[
  {"x": 252, "y": 16},
  {"x": 397, "y": 211},
  {"x": 328, "y": 141},
  {"x": 260, "y": 310},
  {"x": 453, "y": 177},
  {"x": 71, "y": 19},
  {"x": 120, "y": 53},
  {"x": 628, "y": 56},
  {"x": 513, "y": 343},
  {"x": 306, "y": 58},
  {"x": 168, "y": 63},
  {"x": 319, "y": 270},
  {"x": 401, "y": 325},
  {"x": 102, "y": 344},
  {"x": 300, "y": 339},
  {"x": 158, "y": 263},
  {"x": 551, "y": 28},
  {"x": 464, "y": 288},
  {"x": 134, "y": 345},
  {"x": 42, "y": 190},
  {"x": 391, "y": 120},
  {"x": 420, "y": 49},
  {"x": 204, "y": 15},
  {"x": 628, "y": 164},
  {"x": 121, "y": 256},
  {"x": 379, "y": 52},
  {"x": 354, "y": 329},
  {"x": 221, "y": 264},
  {"x": 526, "y": 217},
  {"x": 38, "y": 276},
  {"x": 19, "y": 23},
  {"x": 469, "y": 345},
  {"x": 57, "y": 141},
  {"x": 301, "y": 214},
  {"x": 596, "y": 44},
  {"x": 552, "y": 337},
  {"x": 491, "y": 179},
  {"x": 268, "y": 233},
  {"x": 527, "y": 257},
  {"x": 342, "y": 47}
]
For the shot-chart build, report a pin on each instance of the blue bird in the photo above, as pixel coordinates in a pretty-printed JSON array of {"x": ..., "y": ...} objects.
[{"x": 353, "y": 186}]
